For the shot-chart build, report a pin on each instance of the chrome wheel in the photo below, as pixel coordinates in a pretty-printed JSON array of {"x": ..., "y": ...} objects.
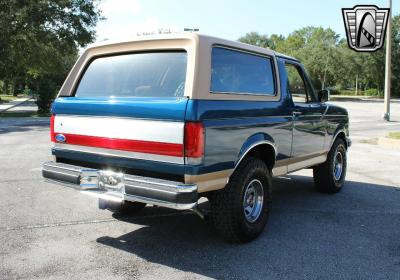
[
  {"x": 253, "y": 200},
  {"x": 338, "y": 165}
]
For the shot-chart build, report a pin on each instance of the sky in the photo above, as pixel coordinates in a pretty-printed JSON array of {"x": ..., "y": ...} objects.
[{"x": 227, "y": 19}]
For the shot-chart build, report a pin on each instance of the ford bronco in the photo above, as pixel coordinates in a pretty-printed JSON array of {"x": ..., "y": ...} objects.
[{"x": 169, "y": 119}]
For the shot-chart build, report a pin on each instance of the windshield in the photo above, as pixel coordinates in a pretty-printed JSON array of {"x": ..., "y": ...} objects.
[{"x": 155, "y": 74}]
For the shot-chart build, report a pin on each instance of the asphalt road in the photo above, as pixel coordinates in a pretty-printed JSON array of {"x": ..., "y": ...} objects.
[{"x": 52, "y": 232}]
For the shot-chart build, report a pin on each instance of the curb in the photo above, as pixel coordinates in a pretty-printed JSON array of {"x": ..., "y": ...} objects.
[
  {"x": 360, "y": 99},
  {"x": 12, "y": 106},
  {"x": 389, "y": 142}
]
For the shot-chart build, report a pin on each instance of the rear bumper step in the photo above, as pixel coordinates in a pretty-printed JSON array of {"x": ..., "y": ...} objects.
[{"x": 114, "y": 186}]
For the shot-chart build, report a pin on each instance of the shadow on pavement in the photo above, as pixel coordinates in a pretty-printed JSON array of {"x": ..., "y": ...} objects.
[
  {"x": 353, "y": 234},
  {"x": 8, "y": 125}
]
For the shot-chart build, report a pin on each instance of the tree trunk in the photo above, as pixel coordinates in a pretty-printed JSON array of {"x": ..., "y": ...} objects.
[
  {"x": 14, "y": 88},
  {"x": 6, "y": 87}
]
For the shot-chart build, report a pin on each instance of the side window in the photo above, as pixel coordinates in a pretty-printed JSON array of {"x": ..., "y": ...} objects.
[
  {"x": 296, "y": 85},
  {"x": 239, "y": 72}
]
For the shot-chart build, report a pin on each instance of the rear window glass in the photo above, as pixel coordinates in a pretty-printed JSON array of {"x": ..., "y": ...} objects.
[
  {"x": 240, "y": 72},
  {"x": 155, "y": 74}
]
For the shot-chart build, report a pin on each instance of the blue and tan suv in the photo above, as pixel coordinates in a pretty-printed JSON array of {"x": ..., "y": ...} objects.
[{"x": 167, "y": 120}]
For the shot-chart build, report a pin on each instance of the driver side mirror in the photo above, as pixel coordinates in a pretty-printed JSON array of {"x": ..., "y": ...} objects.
[{"x": 323, "y": 95}]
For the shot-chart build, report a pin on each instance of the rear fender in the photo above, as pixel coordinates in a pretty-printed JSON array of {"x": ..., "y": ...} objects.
[{"x": 254, "y": 141}]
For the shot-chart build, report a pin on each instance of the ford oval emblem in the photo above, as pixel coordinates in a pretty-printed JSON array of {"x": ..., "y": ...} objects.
[{"x": 60, "y": 138}]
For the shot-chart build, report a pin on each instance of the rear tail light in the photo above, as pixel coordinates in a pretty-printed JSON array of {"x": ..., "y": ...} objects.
[
  {"x": 194, "y": 141},
  {"x": 52, "y": 127}
]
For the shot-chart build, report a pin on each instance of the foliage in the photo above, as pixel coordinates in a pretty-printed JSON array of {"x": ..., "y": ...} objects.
[
  {"x": 253, "y": 38},
  {"x": 331, "y": 63},
  {"x": 7, "y": 98},
  {"x": 396, "y": 55},
  {"x": 39, "y": 42},
  {"x": 371, "y": 92}
]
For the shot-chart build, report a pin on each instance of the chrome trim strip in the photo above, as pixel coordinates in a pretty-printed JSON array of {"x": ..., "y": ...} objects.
[
  {"x": 293, "y": 160},
  {"x": 307, "y": 163},
  {"x": 336, "y": 135},
  {"x": 118, "y": 153},
  {"x": 336, "y": 116},
  {"x": 254, "y": 145},
  {"x": 65, "y": 167},
  {"x": 288, "y": 165},
  {"x": 145, "y": 188},
  {"x": 176, "y": 186},
  {"x": 310, "y": 116}
]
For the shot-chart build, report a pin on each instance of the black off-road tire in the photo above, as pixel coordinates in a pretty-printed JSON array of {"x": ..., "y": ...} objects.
[
  {"x": 126, "y": 207},
  {"x": 324, "y": 177},
  {"x": 227, "y": 211}
]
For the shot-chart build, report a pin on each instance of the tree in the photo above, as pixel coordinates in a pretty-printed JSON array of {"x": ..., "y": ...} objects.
[
  {"x": 329, "y": 60},
  {"x": 253, "y": 38},
  {"x": 39, "y": 41},
  {"x": 396, "y": 55}
]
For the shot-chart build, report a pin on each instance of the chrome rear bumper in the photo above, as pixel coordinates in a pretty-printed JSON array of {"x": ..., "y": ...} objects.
[{"x": 118, "y": 187}]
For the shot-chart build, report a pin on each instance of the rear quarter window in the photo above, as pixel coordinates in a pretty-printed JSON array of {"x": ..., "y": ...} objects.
[
  {"x": 239, "y": 72},
  {"x": 154, "y": 74}
]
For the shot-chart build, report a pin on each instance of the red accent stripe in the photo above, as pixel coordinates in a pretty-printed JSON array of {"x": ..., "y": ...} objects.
[{"x": 158, "y": 148}]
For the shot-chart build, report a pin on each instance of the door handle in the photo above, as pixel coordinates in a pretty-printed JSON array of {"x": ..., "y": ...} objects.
[{"x": 297, "y": 113}]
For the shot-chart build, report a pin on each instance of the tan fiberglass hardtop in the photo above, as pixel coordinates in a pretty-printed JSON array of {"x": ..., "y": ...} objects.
[{"x": 198, "y": 48}]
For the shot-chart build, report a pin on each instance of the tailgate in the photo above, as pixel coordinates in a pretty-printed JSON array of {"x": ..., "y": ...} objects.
[{"x": 138, "y": 133}]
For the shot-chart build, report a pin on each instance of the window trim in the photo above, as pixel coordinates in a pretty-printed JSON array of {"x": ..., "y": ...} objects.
[
  {"x": 87, "y": 64},
  {"x": 309, "y": 86},
  {"x": 298, "y": 67},
  {"x": 270, "y": 57}
]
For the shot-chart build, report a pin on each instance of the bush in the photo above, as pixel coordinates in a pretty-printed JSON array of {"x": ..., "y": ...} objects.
[
  {"x": 45, "y": 96},
  {"x": 334, "y": 91},
  {"x": 349, "y": 92},
  {"x": 371, "y": 92}
]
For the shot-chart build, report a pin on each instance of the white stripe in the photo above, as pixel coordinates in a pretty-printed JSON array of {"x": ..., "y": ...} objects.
[
  {"x": 119, "y": 153},
  {"x": 122, "y": 128}
]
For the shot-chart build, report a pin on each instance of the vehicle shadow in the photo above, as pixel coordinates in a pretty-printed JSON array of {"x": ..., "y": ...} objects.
[{"x": 309, "y": 235}]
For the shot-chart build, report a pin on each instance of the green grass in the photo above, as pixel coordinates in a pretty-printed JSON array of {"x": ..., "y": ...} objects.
[
  {"x": 23, "y": 114},
  {"x": 7, "y": 98},
  {"x": 367, "y": 93},
  {"x": 394, "y": 135}
]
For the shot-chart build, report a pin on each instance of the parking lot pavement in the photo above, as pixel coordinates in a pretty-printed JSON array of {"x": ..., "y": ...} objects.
[
  {"x": 366, "y": 119},
  {"x": 53, "y": 232}
]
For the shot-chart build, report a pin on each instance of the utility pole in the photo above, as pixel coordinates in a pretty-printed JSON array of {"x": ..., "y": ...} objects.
[
  {"x": 388, "y": 64},
  {"x": 357, "y": 84},
  {"x": 326, "y": 66}
]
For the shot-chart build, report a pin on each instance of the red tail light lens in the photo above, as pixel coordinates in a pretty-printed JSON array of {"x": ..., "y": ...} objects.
[
  {"x": 194, "y": 139},
  {"x": 52, "y": 127}
]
